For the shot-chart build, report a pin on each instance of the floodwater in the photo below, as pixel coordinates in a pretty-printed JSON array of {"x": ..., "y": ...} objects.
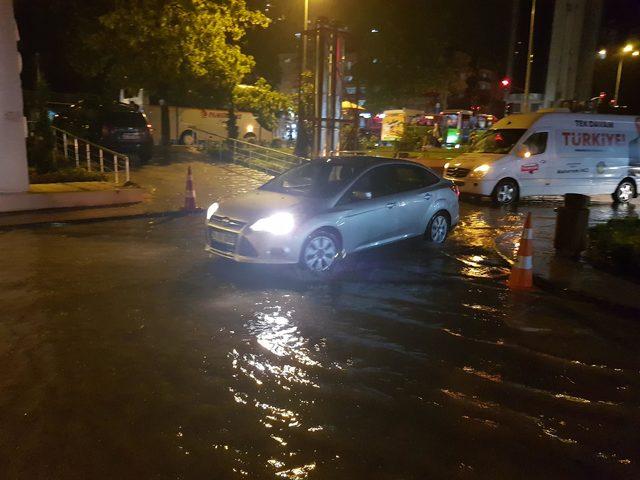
[{"x": 128, "y": 353}]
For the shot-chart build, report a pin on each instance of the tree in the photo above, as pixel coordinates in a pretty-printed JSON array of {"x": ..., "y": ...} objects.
[
  {"x": 260, "y": 99},
  {"x": 179, "y": 50}
]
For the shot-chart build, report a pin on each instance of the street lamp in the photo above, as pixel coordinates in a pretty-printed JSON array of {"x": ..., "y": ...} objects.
[{"x": 628, "y": 48}]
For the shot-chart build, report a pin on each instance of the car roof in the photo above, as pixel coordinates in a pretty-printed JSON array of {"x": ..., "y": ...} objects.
[{"x": 362, "y": 161}]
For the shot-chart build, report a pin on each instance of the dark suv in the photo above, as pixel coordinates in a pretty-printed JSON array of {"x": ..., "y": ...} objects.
[{"x": 116, "y": 126}]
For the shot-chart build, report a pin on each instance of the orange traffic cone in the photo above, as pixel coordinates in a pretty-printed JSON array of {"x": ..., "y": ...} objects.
[
  {"x": 521, "y": 277},
  {"x": 190, "y": 194}
]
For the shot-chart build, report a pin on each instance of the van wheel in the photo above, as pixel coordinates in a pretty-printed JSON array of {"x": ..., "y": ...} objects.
[
  {"x": 506, "y": 192},
  {"x": 625, "y": 192}
]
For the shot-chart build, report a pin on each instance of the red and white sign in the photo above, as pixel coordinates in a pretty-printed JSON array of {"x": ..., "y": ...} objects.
[{"x": 529, "y": 168}]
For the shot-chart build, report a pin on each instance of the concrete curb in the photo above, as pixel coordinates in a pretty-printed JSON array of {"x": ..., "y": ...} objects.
[
  {"x": 133, "y": 216},
  {"x": 29, "y": 201},
  {"x": 547, "y": 285}
]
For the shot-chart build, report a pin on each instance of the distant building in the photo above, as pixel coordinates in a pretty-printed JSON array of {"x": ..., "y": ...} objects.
[
  {"x": 514, "y": 102},
  {"x": 574, "y": 37}
]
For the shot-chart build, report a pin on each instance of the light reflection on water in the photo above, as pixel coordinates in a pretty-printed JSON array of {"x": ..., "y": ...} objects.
[{"x": 284, "y": 360}]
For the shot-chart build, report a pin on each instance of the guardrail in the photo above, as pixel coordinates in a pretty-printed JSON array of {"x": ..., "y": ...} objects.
[
  {"x": 256, "y": 156},
  {"x": 91, "y": 156}
]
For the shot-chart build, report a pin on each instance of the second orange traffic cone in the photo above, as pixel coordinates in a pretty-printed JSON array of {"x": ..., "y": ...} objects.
[
  {"x": 190, "y": 194},
  {"x": 521, "y": 277}
]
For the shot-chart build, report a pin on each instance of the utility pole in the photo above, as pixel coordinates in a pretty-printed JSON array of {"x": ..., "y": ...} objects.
[
  {"x": 527, "y": 80},
  {"x": 302, "y": 139},
  {"x": 304, "y": 37},
  {"x": 513, "y": 37}
]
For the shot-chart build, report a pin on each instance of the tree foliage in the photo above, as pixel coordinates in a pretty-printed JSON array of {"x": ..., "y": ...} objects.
[
  {"x": 263, "y": 101},
  {"x": 172, "y": 48}
]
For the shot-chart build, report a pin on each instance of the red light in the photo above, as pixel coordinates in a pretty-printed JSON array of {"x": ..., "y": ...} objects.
[
  {"x": 505, "y": 82},
  {"x": 455, "y": 189}
]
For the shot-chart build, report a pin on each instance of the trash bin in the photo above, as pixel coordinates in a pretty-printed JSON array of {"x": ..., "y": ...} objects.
[{"x": 572, "y": 225}]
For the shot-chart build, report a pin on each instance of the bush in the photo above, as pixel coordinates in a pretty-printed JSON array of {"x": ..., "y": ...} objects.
[
  {"x": 66, "y": 175},
  {"x": 277, "y": 143},
  {"x": 616, "y": 245}
]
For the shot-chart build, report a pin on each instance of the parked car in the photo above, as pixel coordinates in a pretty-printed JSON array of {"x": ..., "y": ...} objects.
[
  {"x": 317, "y": 213},
  {"x": 552, "y": 153},
  {"x": 116, "y": 126}
]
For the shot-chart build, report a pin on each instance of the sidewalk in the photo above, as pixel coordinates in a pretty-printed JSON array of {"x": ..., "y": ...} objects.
[
  {"x": 559, "y": 274},
  {"x": 164, "y": 182}
]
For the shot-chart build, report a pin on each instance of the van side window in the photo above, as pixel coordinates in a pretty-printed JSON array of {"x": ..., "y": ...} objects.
[{"x": 537, "y": 143}]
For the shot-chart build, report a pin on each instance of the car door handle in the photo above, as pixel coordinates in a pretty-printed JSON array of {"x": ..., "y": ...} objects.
[
  {"x": 427, "y": 196},
  {"x": 391, "y": 204}
]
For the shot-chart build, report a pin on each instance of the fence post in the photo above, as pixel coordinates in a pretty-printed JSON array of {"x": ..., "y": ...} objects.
[
  {"x": 101, "y": 157},
  {"x": 76, "y": 152},
  {"x": 88, "y": 150},
  {"x": 65, "y": 145},
  {"x": 115, "y": 167},
  {"x": 126, "y": 168}
]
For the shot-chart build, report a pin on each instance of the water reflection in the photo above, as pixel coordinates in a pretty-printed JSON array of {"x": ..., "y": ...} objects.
[{"x": 281, "y": 363}]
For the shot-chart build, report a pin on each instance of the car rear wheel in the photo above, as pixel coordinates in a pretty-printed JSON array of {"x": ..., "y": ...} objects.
[
  {"x": 438, "y": 228},
  {"x": 506, "y": 192},
  {"x": 625, "y": 192},
  {"x": 320, "y": 252}
]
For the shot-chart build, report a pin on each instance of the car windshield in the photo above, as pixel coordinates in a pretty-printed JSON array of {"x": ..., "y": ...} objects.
[
  {"x": 315, "y": 179},
  {"x": 497, "y": 141}
]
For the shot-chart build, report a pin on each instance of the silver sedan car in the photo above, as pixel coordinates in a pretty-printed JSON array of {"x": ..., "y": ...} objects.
[{"x": 316, "y": 214}]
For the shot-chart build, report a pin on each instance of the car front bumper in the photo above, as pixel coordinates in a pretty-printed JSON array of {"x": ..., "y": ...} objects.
[
  {"x": 473, "y": 186},
  {"x": 240, "y": 244}
]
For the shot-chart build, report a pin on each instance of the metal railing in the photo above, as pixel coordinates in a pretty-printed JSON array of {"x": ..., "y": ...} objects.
[
  {"x": 91, "y": 156},
  {"x": 250, "y": 154}
]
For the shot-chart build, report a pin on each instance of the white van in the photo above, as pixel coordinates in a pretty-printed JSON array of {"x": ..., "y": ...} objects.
[{"x": 552, "y": 153}]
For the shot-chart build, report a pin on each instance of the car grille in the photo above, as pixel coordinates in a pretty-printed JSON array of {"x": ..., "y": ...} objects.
[
  {"x": 227, "y": 223},
  {"x": 457, "y": 172},
  {"x": 222, "y": 240}
]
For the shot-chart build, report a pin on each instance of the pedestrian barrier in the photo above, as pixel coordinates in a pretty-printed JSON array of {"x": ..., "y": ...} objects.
[
  {"x": 252, "y": 155},
  {"x": 521, "y": 277},
  {"x": 190, "y": 194},
  {"x": 91, "y": 156}
]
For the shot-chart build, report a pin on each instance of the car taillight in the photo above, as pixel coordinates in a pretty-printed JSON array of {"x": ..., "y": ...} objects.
[
  {"x": 107, "y": 130},
  {"x": 455, "y": 189}
]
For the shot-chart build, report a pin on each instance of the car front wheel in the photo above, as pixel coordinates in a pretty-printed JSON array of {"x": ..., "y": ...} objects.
[
  {"x": 320, "y": 252},
  {"x": 506, "y": 192},
  {"x": 625, "y": 192}
]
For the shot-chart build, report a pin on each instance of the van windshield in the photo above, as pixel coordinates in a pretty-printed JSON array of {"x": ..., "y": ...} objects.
[{"x": 497, "y": 141}]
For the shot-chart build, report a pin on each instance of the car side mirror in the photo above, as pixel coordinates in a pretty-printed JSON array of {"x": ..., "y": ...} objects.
[
  {"x": 358, "y": 195},
  {"x": 523, "y": 151}
]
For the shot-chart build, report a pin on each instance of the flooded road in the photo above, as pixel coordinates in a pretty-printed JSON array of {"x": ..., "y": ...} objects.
[{"x": 128, "y": 353}]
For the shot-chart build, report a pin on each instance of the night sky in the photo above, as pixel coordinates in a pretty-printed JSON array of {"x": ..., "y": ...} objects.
[{"x": 480, "y": 29}]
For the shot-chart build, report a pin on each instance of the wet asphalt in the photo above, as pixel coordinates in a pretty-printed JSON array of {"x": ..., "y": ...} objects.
[{"x": 127, "y": 352}]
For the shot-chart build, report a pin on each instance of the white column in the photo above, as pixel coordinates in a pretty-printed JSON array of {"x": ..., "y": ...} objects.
[{"x": 14, "y": 175}]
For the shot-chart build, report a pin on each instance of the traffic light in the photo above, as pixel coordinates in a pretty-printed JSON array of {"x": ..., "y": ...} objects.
[{"x": 505, "y": 82}]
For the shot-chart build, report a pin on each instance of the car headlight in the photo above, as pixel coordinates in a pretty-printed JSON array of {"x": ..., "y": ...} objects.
[
  {"x": 481, "y": 169},
  {"x": 277, "y": 224},
  {"x": 212, "y": 210},
  {"x": 446, "y": 165}
]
